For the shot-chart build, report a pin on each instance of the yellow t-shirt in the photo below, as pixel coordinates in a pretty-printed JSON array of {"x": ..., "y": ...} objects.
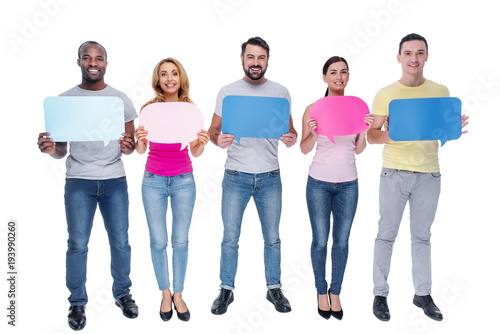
[{"x": 416, "y": 156}]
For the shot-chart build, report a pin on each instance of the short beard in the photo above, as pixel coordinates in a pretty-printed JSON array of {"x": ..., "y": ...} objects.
[{"x": 252, "y": 77}]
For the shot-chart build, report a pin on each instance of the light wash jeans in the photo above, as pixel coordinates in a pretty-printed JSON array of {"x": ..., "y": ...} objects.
[
  {"x": 237, "y": 189},
  {"x": 81, "y": 198},
  {"x": 339, "y": 200},
  {"x": 421, "y": 190},
  {"x": 182, "y": 192}
]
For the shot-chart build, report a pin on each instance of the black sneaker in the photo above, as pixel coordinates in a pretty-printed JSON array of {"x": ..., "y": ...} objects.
[
  {"x": 281, "y": 304},
  {"x": 380, "y": 308},
  {"x": 222, "y": 301},
  {"x": 427, "y": 304}
]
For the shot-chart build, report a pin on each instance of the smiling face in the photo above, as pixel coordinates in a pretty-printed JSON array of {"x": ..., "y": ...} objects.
[
  {"x": 169, "y": 79},
  {"x": 254, "y": 62},
  {"x": 336, "y": 77},
  {"x": 93, "y": 64},
  {"x": 413, "y": 57}
]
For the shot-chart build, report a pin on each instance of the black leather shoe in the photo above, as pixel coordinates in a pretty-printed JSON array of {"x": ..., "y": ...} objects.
[
  {"x": 281, "y": 304},
  {"x": 380, "y": 308},
  {"x": 165, "y": 316},
  {"x": 323, "y": 314},
  {"x": 183, "y": 316},
  {"x": 427, "y": 304},
  {"x": 222, "y": 301},
  {"x": 128, "y": 306},
  {"x": 76, "y": 317},
  {"x": 336, "y": 314}
]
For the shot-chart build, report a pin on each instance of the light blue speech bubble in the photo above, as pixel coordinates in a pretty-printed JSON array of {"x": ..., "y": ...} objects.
[
  {"x": 84, "y": 118},
  {"x": 255, "y": 116},
  {"x": 435, "y": 118}
]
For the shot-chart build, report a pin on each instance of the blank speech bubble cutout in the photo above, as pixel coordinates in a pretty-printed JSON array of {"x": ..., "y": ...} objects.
[
  {"x": 255, "y": 116},
  {"x": 172, "y": 122},
  {"x": 84, "y": 118},
  {"x": 339, "y": 116},
  {"x": 435, "y": 118}
]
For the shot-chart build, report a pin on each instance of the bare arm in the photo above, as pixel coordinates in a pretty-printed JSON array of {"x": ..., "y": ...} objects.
[
  {"x": 376, "y": 135},
  {"x": 290, "y": 138},
  {"x": 127, "y": 143},
  {"x": 57, "y": 150},
  {"x": 309, "y": 134},
  {"x": 219, "y": 139},
  {"x": 141, "y": 145},
  {"x": 198, "y": 146},
  {"x": 361, "y": 138}
]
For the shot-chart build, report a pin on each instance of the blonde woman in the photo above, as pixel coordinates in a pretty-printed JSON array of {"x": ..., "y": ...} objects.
[{"x": 169, "y": 173}]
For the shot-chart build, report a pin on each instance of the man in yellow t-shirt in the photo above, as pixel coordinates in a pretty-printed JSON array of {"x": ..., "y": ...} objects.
[{"x": 410, "y": 173}]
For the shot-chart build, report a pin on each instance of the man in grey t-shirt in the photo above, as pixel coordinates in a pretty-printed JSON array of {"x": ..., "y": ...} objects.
[
  {"x": 95, "y": 176},
  {"x": 251, "y": 170}
]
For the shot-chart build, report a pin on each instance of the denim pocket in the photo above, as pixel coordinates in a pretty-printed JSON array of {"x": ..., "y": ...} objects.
[
  {"x": 275, "y": 172},
  {"x": 186, "y": 176},
  {"x": 230, "y": 172},
  {"x": 387, "y": 172},
  {"x": 69, "y": 181},
  {"x": 436, "y": 175},
  {"x": 148, "y": 174}
]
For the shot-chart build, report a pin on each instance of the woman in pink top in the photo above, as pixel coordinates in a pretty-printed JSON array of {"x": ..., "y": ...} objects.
[
  {"x": 332, "y": 189},
  {"x": 169, "y": 174}
]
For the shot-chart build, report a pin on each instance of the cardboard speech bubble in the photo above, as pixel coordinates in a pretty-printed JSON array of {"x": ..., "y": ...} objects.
[
  {"x": 339, "y": 116},
  {"x": 435, "y": 118},
  {"x": 84, "y": 118},
  {"x": 171, "y": 122},
  {"x": 255, "y": 116}
]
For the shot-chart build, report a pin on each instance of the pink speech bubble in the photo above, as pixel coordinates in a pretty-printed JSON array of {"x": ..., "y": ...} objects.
[
  {"x": 171, "y": 122},
  {"x": 339, "y": 116}
]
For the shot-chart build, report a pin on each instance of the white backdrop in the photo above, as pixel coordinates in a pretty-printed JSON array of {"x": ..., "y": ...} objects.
[{"x": 39, "y": 52}]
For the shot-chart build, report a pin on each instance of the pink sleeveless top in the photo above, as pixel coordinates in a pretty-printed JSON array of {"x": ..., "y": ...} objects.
[
  {"x": 334, "y": 162},
  {"x": 167, "y": 160}
]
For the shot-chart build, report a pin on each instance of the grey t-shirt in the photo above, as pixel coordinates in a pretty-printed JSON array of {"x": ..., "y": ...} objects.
[
  {"x": 252, "y": 155},
  {"x": 92, "y": 160}
]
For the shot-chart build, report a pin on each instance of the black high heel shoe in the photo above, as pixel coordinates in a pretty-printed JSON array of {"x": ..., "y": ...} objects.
[
  {"x": 165, "y": 316},
  {"x": 182, "y": 316},
  {"x": 336, "y": 314},
  {"x": 324, "y": 314}
]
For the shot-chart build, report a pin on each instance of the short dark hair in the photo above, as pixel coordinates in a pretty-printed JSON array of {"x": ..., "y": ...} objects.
[
  {"x": 94, "y": 43},
  {"x": 413, "y": 37},
  {"x": 255, "y": 41}
]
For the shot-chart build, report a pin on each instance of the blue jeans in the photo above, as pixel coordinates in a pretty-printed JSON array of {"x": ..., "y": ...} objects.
[
  {"x": 325, "y": 199},
  {"x": 182, "y": 192},
  {"x": 237, "y": 189},
  {"x": 81, "y": 198}
]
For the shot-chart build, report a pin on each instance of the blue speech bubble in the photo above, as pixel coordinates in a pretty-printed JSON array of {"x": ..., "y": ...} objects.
[
  {"x": 435, "y": 118},
  {"x": 255, "y": 116},
  {"x": 84, "y": 118}
]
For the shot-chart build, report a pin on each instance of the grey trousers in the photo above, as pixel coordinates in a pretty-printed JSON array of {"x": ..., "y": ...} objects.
[{"x": 421, "y": 190}]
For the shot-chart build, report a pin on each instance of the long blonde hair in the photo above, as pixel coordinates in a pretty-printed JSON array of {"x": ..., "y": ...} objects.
[{"x": 183, "y": 93}]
